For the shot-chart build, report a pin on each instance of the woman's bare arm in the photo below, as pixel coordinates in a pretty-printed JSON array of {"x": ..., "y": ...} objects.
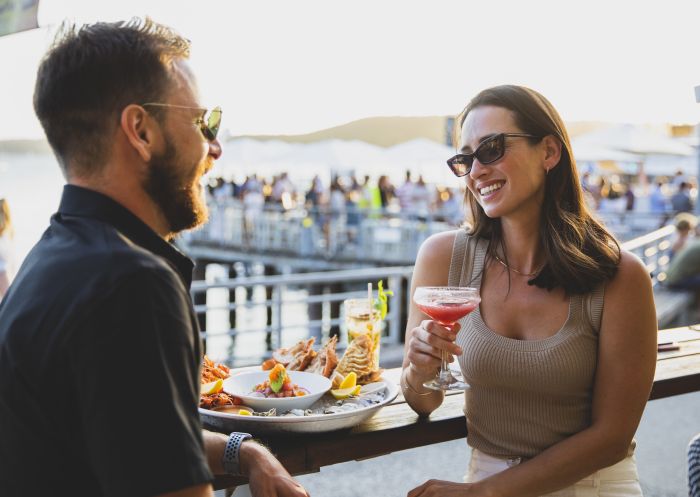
[{"x": 424, "y": 338}]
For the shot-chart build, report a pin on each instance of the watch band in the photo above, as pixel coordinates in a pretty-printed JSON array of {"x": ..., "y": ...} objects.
[{"x": 232, "y": 453}]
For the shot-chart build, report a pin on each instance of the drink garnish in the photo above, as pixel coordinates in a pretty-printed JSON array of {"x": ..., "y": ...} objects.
[{"x": 381, "y": 304}]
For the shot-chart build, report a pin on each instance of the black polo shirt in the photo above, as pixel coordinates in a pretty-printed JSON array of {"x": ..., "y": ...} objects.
[{"x": 99, "y": 360}]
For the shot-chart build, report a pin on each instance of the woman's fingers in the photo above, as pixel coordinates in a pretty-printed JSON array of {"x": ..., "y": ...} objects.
[
  {"x": 427, "y": 343},
  {"x": 438, "y": 336}
]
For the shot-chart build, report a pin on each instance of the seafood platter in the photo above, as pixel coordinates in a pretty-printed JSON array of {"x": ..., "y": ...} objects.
[{"x": 298, "y": 390}]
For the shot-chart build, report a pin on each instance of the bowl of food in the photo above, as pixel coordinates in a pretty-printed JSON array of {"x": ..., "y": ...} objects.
[{"x": 277, "y": 389}]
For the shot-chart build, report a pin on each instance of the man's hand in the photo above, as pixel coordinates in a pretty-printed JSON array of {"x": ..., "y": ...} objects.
[{"x": 266, "y": 475}]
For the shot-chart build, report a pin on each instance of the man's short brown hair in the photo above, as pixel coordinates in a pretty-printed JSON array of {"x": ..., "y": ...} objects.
[{"x": 90, "y": 74}]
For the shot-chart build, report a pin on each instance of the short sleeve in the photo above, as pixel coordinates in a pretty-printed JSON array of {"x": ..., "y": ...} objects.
[{"x": 136, "y": 382}]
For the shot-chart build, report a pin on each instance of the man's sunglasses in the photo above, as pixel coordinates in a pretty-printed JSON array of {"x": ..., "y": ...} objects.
[
  {"x": 488, "y": 152},
  {"x": 208, "y": 123}
]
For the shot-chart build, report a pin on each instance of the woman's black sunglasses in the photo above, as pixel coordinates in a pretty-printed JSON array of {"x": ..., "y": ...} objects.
[
  {"x": 488, "y": 152},
  {"x": 208, "y": 123}
]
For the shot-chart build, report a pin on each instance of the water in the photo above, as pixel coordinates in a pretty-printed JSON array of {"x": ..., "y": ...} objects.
[{"x": 32, "y": 184}]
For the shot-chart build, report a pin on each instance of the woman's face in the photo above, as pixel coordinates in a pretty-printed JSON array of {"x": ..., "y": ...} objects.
[{"x": 514, "y": 184}]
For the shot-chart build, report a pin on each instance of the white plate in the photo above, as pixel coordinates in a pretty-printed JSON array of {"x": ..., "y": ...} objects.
[
  {"x": 241, "y": 384},
  {"x": 318, "y": 423}
]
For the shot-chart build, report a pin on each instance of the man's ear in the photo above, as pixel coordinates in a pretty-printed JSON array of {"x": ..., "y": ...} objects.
[
  {"x": 141, "y": 130},
  {"x": 552, "y": 149}
]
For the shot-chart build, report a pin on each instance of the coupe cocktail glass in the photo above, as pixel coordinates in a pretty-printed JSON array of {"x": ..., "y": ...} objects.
[{"x": 446, "y": 305}]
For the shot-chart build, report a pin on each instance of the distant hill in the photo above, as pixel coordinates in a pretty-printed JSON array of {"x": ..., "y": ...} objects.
[
  {"x": 389, "y": 131},
  {"x": 381, "y": 131}
]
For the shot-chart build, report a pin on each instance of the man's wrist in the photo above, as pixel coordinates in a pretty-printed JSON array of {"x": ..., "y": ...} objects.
[{"x": 251, "y": 451}]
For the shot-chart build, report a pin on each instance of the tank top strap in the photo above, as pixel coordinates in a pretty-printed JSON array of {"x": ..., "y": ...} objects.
[
  {"x": 593, "y": 306},
  {"x": 466, "y": 266},
  {"x": 459, "y": 256}
]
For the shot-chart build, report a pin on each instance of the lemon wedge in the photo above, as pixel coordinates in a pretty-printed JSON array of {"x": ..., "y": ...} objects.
[
  {"x": 213, "y": 387},
  {"x": 245, "y": 412},
  {"x": 344, "y": 393},
  {"x": 349, "y": 382}
]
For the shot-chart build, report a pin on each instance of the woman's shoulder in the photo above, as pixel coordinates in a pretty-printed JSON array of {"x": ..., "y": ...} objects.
[
  {"x": 434, "y": 258},
  {"x": 438, "y": 245},
  {"x": 631, "y": 277}
]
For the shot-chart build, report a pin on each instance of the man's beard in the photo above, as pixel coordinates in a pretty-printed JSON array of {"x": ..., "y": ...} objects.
[{"x": 171, "y": 190}]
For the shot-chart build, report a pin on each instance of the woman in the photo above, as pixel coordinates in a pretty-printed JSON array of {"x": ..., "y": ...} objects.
[
  {"x": 6, "y": 260},
  {"x": 560, "y": 354}
]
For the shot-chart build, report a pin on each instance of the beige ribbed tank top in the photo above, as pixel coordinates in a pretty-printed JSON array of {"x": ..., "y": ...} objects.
[{"x": 524, "y": 395}]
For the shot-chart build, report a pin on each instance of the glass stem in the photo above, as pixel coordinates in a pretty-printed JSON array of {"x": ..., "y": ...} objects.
[
  {"x": 445, "y": 365},
  {"x": 445, "y": 356}
]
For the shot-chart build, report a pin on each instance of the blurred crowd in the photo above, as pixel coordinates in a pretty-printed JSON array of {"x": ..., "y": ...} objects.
[
  {"x": 346, "y": 200},
  {"x": 621, "y": 193},
  {"x": 346, "y": 196}
]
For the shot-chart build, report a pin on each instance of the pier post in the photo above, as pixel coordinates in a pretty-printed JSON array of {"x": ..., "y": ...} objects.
[
  {"x": 315, "y": 312},
  {"x": 232, "y": 274},
  {"x": 335, "y": 309},
  {"x": 200, "y": 274},
  {"x": 270, "y": 271}
]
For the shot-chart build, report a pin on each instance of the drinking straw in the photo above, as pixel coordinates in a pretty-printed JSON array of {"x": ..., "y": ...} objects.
[{"x": 369, "y": 298}]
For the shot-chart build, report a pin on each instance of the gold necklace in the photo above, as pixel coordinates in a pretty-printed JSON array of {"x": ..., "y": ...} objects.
[{"x": 521, "y": 273}]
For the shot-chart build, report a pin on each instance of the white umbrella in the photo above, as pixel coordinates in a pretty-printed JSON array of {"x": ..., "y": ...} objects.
[
  {"x": 593, "y": 152},
  {"x": 635, "y": 140}
]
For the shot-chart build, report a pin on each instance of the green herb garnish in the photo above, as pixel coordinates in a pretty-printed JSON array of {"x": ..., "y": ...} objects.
[{"x": 381, "y": 304}]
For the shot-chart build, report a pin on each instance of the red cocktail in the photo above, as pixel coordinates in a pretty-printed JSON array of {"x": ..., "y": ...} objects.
[
  {"x": 446, "y": 305},
  {"x": 447, "y": 313}
]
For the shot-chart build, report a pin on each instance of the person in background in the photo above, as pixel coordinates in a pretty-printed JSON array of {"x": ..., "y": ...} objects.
[
  {"x": 658, "y": 203},
  {"x": 560, "y": 354},
  {"x": 386, "y": 191},
  {"x": 685, "y": 224},
  {"x": 680, "y": 201},
  {"x": 629, "y": 198},
  {"x": 422, "y": 199},
  {"x": 7, "y": 262},
  {"x": 405, "y": 193},
  {"x": 100, "y": 352},
  {"x": 683, "y": 272}
]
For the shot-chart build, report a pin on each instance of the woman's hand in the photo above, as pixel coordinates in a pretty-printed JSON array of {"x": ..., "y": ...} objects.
[{"x": 426, "y": 343}]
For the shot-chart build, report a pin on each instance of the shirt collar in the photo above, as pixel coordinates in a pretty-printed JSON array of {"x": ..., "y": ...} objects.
[{"x": 81, "y": 202}]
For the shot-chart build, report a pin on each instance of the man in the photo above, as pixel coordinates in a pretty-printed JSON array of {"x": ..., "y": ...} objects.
[
  {"x": 683, "y": 273},
  {"x": 680, "y": 201},
  {"x": 99, "y": 345},
  {"x": 405, "y": 194}
]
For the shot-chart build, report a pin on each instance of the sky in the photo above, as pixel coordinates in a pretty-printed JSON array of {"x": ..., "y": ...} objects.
[{"x": 287, "y": 67}]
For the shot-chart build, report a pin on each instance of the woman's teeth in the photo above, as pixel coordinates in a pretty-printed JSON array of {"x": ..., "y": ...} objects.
[{"x": 491, "y": 188}]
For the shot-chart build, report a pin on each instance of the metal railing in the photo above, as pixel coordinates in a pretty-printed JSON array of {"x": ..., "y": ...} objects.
[
  {"x": 654, "y": 249},
  {"x": 379, "y": 236},
  {"x": 349, "y": 234},
  {"x": 290, "y": 298},
  {"x": 628, "y": 225}
]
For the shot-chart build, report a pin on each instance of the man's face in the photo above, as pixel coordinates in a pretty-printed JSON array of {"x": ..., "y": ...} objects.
[{"x": 174, "y": 177}]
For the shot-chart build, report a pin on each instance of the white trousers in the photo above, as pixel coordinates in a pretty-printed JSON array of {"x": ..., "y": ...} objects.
[{"x": 618, "y": 480}]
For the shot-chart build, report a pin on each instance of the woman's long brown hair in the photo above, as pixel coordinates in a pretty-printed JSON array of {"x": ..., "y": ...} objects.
[{"x": 580, "y": 253}]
